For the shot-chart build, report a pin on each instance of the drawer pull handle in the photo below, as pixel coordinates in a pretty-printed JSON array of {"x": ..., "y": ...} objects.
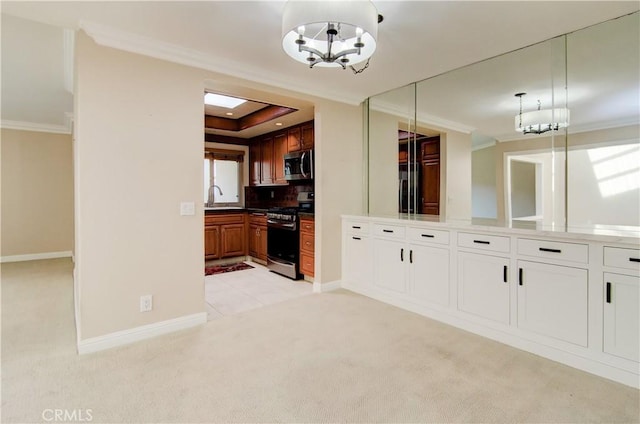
[
  {"x": 520, "y": 276},
  {"x": 402, "y": 255},
  {"x": 428, "y": 235},
  {"x": 608, "y": 292},
  {"x": 387, "y": 231},
  {"x": 634, "y": 259},
  {"x": 357, "y": 227},
  {"x": 411, "y": 256},
  {"x": 546, "y": 249},
  {"x": 482, "y": 242},
  {"x": 504, "y": 274},
  {"x": 356, "y": 238}
]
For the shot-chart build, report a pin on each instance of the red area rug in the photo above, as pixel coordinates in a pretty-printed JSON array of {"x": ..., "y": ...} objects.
[{"x": 218, "y": 269}]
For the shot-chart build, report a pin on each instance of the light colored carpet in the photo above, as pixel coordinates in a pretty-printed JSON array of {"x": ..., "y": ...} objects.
[{"x": 335, "y": 357}]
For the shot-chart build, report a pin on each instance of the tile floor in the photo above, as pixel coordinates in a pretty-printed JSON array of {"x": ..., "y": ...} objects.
[{"x": 232, "y": 292}]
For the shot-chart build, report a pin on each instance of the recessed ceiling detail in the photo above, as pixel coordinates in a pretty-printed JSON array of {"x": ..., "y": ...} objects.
[{"x": 245, "y": 115}]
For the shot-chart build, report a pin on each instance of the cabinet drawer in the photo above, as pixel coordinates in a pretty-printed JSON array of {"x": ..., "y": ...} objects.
[
  {"x": 306, "y": 242},
  {"x": 236, "y": 218},
  {"x": 258, "y": 219},
  {"x": 357, "y": 227},
  {"x": 428, "y": 235},
  {"x": 622, "y": 258},
  {"x": 572, "y": 252},
  {"x": 307, "y": 264},
  {"x": 388, "y": 231},
  {"x": 484, "y": 242},
  {"x": 307, "y": 225}
]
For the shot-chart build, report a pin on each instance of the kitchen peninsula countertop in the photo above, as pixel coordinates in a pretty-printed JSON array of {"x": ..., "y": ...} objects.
[{"x": 603, "y": 233}]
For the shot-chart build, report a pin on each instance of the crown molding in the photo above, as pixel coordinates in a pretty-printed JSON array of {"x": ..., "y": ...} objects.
[
  {"x": 108, "y": 36},
  {"x": 37, "y": 127},
  {"x": 422, "y": 118}
]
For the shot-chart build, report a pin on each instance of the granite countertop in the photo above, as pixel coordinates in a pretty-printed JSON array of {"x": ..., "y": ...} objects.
[{"x": 307, "y": 214}]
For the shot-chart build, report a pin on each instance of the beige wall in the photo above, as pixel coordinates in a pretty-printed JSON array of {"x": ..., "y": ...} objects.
[
  {"x": 455, "y": 192},
  {"x": 37, "y": 193},
  {"x": 138, "y": 154},
  {"x": 383, "y": 164},
  {"x": 338, "y": 181},
  {"x": 139, "y": 132}
]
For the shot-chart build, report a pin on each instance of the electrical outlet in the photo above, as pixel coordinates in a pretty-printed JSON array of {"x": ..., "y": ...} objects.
[
  {"x": 146, "y": 303},
  {"x": 272, "y": 194}
]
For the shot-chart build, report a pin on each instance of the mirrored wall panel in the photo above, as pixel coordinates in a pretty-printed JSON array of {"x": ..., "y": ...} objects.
[
  {"x": 542, "y": 137},
  {"x": 603, "y": 68}
]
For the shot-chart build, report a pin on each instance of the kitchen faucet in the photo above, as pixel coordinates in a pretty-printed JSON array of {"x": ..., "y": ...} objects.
[{"x": 210, "y": 202}]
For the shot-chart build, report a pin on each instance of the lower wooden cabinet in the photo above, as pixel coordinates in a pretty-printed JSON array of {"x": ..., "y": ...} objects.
[
  {"x": 307, "y": 249},
  {"x": 257, "y": 237},
  {"x": 224, "y": 236}
]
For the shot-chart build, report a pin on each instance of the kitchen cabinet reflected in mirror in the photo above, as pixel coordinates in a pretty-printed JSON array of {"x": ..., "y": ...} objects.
[{"x": 493, "y": 172}]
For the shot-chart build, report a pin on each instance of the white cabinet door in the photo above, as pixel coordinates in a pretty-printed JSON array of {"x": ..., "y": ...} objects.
[
  {"x": 357, "y": 260},
  {"x": 621, "y": 317},
  {"x": 483, "y": 286},
  {"x": 429, "y": 274},
  {"x": 552, "y": 300},
  {"x": 389, "y": 258}
]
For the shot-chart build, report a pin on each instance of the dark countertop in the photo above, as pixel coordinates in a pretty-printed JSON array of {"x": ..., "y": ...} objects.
[{"x": 306, "y": 214}]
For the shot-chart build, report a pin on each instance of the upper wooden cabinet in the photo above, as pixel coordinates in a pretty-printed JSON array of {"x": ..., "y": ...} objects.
[
  {"x": 279, "y": 150},
  {"x": 300, "y": 137},
  {"x": 307, "y": 139},
  {"x": 266, "y": 153},
  {"x": 294, "y": 137}
]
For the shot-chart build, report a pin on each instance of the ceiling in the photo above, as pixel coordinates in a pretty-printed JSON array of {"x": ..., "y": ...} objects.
[{"x": 416, "y": 40}]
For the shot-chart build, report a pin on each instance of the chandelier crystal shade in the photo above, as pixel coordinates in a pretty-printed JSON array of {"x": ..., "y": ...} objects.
[
  {"x": 540, "y": 121},
  {"x": 329, "y": 33}
]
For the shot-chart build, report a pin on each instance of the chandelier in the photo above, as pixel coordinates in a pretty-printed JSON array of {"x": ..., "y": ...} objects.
[
  {"x": 330, "y": 33},
  {"x": 540, "y": 121}
]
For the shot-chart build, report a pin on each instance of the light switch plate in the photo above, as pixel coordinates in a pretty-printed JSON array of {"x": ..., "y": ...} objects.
[{"x": 187, "y": 208}]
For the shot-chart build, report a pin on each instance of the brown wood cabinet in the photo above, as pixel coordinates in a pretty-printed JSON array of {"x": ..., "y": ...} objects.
[
  {"x": 308, "y": 136},
  {"x": 224, "y": 235},
  {"x": 266, "y": 158},
  {"x": 279, "y": 150},
  {"x": 300, "y": 137},
  {"x": 307, "y": 243},
  {"x": 255, "y": 163},
  {"x": 430, "y": 176},
  {"x": 257, "y": 236}
]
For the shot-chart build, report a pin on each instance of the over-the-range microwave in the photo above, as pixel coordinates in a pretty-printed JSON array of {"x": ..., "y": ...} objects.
[{"x": 298, "y": 165}]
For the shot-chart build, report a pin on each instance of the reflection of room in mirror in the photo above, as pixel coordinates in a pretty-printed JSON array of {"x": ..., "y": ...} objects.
[{"x": 586, "y": 177}]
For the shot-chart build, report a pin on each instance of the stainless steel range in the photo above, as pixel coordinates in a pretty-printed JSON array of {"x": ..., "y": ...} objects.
[{"x": 283, "y": 241}]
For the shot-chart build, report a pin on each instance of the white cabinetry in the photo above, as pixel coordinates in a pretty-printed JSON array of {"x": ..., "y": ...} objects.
[
  {"x": 389, "y": 265},
  {"x": 552, "y": 300},
  {"x": 621, "y": 300},
  {"x": 483, "y": 286},
  {"x": 412, "y": 262},
  {"x": 621, "y": 318},
  {"x": 567, "y": 297},
  {"x": 356, "y": 263}
]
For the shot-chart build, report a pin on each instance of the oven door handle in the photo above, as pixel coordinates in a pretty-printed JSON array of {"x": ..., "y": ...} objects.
[{"x": 287, "y": 226}]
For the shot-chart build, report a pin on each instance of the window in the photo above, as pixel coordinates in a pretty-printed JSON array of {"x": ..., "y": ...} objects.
[{"x": 223, "y": 177}]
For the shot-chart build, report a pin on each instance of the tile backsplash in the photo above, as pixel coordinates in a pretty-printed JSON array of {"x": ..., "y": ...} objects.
[{"x": 264, "y": 197}]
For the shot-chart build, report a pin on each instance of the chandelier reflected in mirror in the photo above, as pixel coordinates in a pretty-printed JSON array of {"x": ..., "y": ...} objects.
[
  {"x": 542, "y": 120},
  {"x": 330, "y": 33}
]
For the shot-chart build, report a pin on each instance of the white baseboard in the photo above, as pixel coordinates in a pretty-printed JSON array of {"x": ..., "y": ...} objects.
[
  {"x": 132, "y": 335},
  {"x": 326, "y": 287},
  {"x": 36, "y": 256}
]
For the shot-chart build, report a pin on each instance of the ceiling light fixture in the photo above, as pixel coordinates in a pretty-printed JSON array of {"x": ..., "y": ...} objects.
[
  {"x": 330, "y": 33},
  {"x": 540, "y": 121},
  {"x": 220, "y": 100}
]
